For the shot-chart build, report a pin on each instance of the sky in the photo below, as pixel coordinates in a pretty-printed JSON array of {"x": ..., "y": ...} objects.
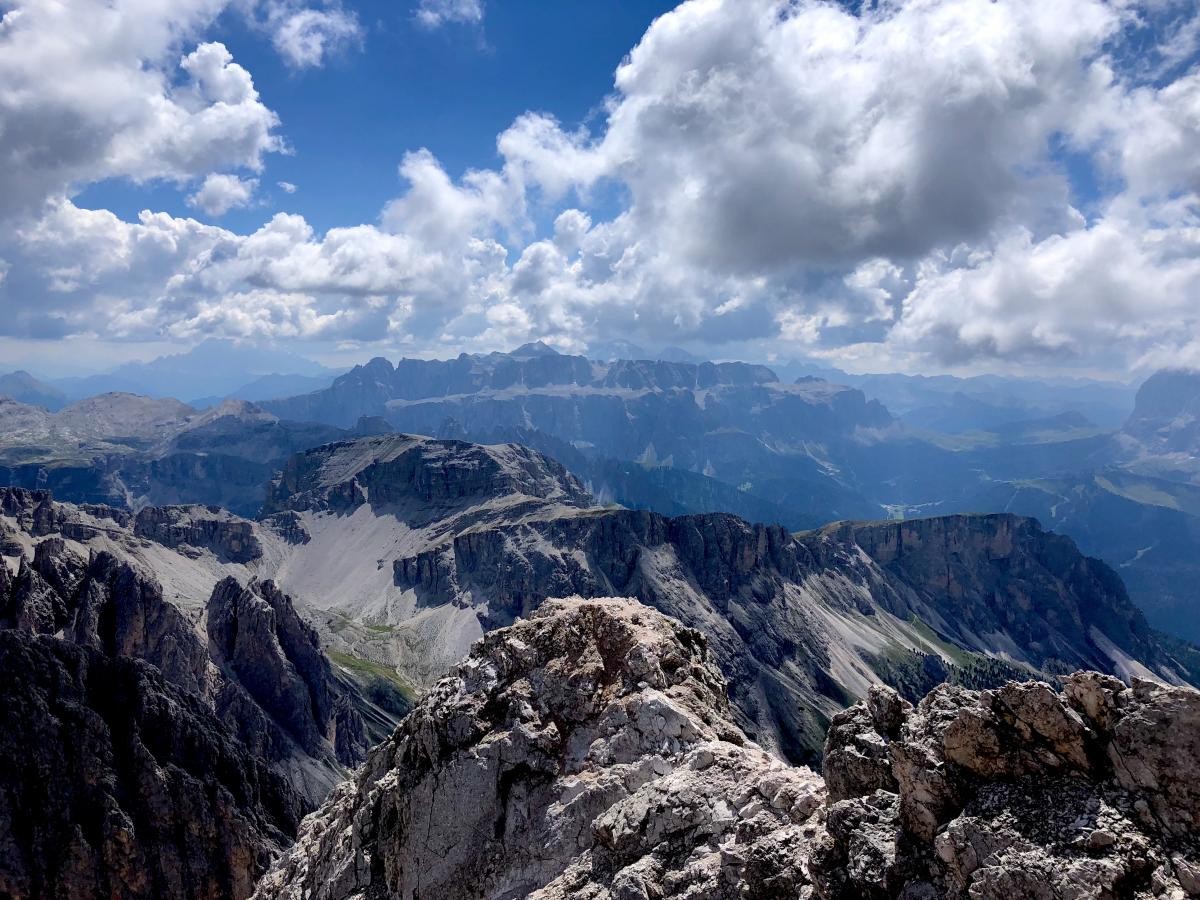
[{"x": 924, "y": 186}]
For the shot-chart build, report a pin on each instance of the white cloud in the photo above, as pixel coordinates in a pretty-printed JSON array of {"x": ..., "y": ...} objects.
[
  {"x": 287, "y": 187},
  {"x": 1095, "y": 292},
  {"x": 435, "y": 13},
  {"x": 220, "y": 193},
  {"x": 784, "y": 175},
  {"x": 307, "y": 37},
  {"x": 96, "y": 90}
]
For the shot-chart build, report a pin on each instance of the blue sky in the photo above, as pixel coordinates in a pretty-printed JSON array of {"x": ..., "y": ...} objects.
[
  {"x": 925, "y": 186},
  {"x": 451, "y": 90}
]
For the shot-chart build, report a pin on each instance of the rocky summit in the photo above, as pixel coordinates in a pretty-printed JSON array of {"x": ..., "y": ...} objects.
[
  {"x": 585, "y": 752},
  {"x": 589, "y": 752}
]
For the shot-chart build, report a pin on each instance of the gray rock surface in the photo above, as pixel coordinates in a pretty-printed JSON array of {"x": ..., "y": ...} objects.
[
  {"x": 587, "y": 752},
  {"x": 114, "y": 782},
  {"x": 1017, "y": 792},
  {"x": 249, "y": 657}
]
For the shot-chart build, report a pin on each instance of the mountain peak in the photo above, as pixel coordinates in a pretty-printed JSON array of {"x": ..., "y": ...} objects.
[
  {"x": 532, "y": 349},
  {"x": 402, "y": 471},
  {"x": 589, "y": 749}
]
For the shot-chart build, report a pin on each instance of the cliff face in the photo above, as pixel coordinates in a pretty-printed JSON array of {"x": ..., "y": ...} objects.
[
  {"x": 256, "y": 636},
  {"x": 588, "y": 752},
  {"x": 801, "y": 624},
  {"x": 411, "y": 548},
  {"x": 116, "y": 782},
  {"x": 1000, "y": 578},
  {"x": 246, "y": 655},
  {"x": 230, "y": 538},
  {"x": 1166, "y": 412}
]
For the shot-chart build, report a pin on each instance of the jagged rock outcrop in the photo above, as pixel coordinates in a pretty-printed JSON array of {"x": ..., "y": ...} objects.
[
  {"x": 230, "y": 538},
  {"x": 1017, "y": 792},
  {"x": 257, "y": 666},
  {"x": 585, "y": 752},
  {"x": 116, "y": 783},
  {"x": 255, "y": 635}
]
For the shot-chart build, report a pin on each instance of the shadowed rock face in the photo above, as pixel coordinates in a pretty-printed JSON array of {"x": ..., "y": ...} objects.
[
  {"x": 259, "y": 669},
  {"x": 587, "y": 752},
  {"x": 257, "y": 637},
  {"x": 1006, "y": 575},
  {"x": 115, "y": 782}
]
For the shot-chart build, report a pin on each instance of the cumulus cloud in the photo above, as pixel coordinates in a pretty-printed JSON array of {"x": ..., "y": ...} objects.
[
  {"x": 878, "y": 188},
  {"x": 306, "y": 37},
  {"x": 96, "y": 90},
  {"x": 435, "y": 13},
  {"x": 1089, "y": 293},
  {"x": 287, "y": 187},
  {"x": 220, "y": 193}
]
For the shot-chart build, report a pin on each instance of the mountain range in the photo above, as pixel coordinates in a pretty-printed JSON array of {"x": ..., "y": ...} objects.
[
  {"x": 683, "y": 437},
  {"x": 241, "y": 665},
  {"x": 404, "y": 550},
  {"x": 212, "y": 371}
]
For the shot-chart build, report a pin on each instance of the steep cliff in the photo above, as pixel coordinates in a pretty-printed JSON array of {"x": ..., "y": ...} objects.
[{"x": 115, "y": 782}]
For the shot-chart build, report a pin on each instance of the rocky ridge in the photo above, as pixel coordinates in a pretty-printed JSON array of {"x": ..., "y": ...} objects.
[
  {"x": 116, "y": 782},
  {"x": 402, "y": 551},
  {"x": 588, "y": 752},
  {"x": 1017, "y": 792},
  {"x": 244, "y": 651},
  {"x": 585, "y": 752}
]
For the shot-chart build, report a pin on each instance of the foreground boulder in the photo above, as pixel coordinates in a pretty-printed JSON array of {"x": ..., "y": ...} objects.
[
  {"x": 585, "y": 752},
  {"x": 1016, "y": 792},
  {"x": 588, "y": 752}
]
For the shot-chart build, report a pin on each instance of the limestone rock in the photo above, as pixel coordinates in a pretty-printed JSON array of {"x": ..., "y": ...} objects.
[
  {"x": 116, "y": 783},
  {"x": 256, "y": 635},
  {"x": 1018, "y": 792},
  {"x": 584, "y": 752},
  {"x": 230, "y": 538}
]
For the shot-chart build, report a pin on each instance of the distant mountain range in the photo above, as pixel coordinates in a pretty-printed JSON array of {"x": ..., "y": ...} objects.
[
  {"x": 129, "y": 450},
  {"x": 212, "y": 371},
  {"x": 24, "y": 388},
  {"x": 683, "y": 437}
]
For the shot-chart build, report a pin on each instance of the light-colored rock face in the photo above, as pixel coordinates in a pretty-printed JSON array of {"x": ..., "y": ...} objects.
[
  {"x": 1017, "y": 792},
  {"x": 586, "y": 752}
]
